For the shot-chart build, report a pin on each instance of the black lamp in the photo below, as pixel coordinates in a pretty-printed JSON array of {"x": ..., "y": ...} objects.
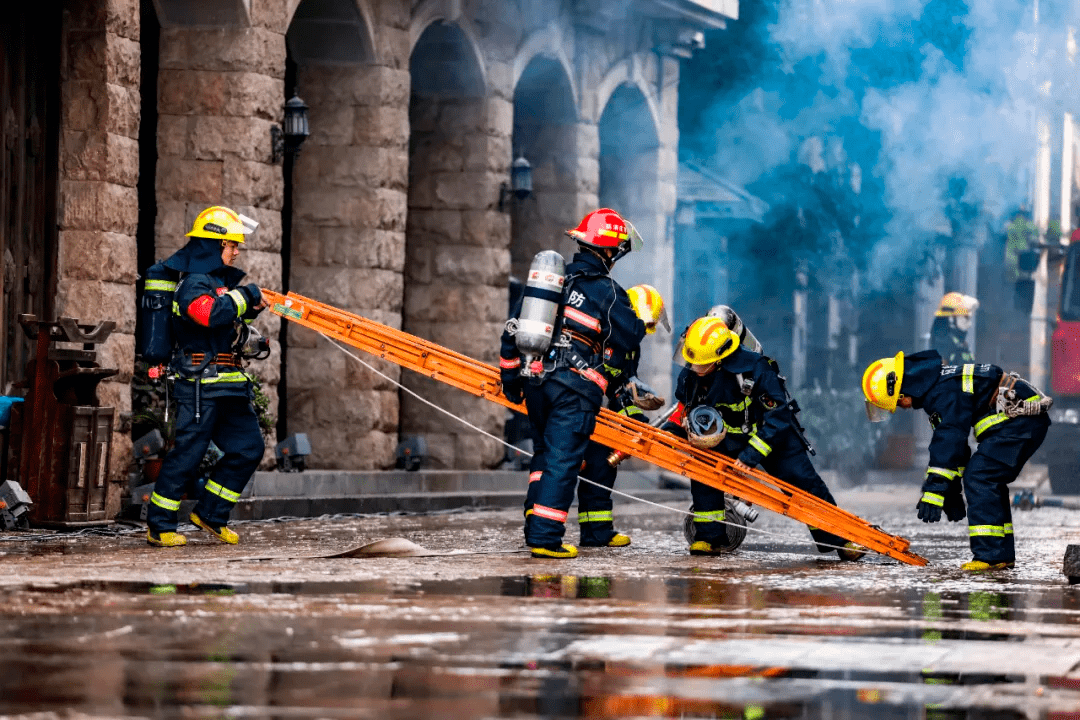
[
  {"x": 520, "y": 182},
  {"x": 294, "y": 130}
]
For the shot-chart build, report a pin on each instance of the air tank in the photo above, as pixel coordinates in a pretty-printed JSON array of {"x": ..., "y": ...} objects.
[
  {"x": 540, "y": 309},
  {"x": 735, "y": 324}
]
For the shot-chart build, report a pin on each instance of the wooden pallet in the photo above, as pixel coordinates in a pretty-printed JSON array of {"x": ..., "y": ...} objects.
[{"x": 613, "y": 430}]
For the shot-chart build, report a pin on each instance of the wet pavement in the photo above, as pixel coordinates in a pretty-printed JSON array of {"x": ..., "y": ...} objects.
[{"x": 104, "y": 626}]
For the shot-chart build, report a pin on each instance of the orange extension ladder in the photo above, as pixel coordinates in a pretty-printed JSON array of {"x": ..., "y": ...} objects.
[{"x": 615, "y": 431}]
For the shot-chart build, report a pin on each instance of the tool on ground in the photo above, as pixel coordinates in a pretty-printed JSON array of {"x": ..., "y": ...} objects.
[
  {"x": 1028, "y": 500},
  {"x": 613, "y": 430},
  {"x": 15, "y": 506}
]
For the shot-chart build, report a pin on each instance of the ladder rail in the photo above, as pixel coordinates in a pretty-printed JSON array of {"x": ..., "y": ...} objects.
[{"x": 615, "y": 431}]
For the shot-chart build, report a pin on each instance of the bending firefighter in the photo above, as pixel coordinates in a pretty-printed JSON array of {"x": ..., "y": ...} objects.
[
  {"x": 952, "y": 321},
  {"x": 564, "y": 346},
  {"x": 734, "y": 401},
  {"x": 1009, "y": 417},
  {"x": 596, "y": 519},
  {"x": 209, "y": 312}
]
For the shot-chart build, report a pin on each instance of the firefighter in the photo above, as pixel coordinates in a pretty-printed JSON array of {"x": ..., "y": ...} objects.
[
  {"x": 597, "y": 332},
  {"x": 951, "y": 324},
  {"x": 755, "y": 423},
  {"x": 212, "y": 392},
  {"x": 1009, "y": 417},
  {"x": 595, "y": 517}
]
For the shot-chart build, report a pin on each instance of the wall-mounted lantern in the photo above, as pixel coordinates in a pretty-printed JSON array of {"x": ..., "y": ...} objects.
[
  {"x": 294, "y": 130},
  {"x": 520, "y": 182}
]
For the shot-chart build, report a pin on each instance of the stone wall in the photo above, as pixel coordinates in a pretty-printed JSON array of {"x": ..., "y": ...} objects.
[
  {"x": 98, "y": 208},
  {"x": 348, "y": 249}
]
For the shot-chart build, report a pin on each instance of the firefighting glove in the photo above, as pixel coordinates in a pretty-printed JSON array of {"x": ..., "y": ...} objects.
[
  {"x": 954, "y": 506},
  {"x": 934, "y": 489},
  {"x": 642, "y": 395},
  {"x": 513, "y": 386}
]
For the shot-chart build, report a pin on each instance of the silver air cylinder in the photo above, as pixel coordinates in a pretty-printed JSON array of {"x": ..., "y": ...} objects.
[
  {"x": 735, "y": 324},
  {"x": 540, "y": 309}
]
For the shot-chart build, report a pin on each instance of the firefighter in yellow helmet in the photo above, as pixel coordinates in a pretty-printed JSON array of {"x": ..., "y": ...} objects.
[
  {"x": 953, "y": 319},
  {"x": 1009, "y": 417},
  {"x": 210, "y": 312},
  {"x": 596, "y": 520},
  {"x": 760, "y": 427}
]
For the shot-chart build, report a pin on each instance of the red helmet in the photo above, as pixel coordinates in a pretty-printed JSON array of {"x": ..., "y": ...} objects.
[{"x": 605, "y": 228}]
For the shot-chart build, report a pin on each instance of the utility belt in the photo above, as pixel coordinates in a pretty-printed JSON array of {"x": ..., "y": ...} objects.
[
  {"x": 226, "y": 359},
  {"x": 568, "y": 357}
]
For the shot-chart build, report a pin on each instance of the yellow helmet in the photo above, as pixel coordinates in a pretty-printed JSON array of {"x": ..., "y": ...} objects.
[
  {"x": 221, "y": 223},
  {"x": 649, "y": 306},
  {"x": 881, "y": 386},
  {"x": 708, "y": 341},
  {"x": 956, "y": 304}
]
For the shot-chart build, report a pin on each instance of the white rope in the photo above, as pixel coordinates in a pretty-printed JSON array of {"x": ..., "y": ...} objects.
[{"x": 480, "y": 430}]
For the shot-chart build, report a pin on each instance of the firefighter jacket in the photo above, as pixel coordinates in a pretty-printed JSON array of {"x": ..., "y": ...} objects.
[
  {"x": 603, "y": 331},
  {"x": 207, "y": 305},
  {"x": 748, "y": 392},
  {"x": 950, "y": 342},
  {"x": 959, "y": 399}
]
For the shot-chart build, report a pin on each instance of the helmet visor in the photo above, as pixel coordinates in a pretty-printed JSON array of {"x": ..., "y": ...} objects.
[
  {"x": 632, "y": 235},
  {"x": 876, "y": 414}
]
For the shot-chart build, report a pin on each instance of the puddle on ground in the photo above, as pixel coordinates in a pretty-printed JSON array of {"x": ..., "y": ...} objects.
[{"x": 540, "y": 645}]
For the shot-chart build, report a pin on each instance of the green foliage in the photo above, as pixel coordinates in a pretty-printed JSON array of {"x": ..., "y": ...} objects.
[
  {"x": 1021, "y": 234},
  {"x": 837, "y": 427}
]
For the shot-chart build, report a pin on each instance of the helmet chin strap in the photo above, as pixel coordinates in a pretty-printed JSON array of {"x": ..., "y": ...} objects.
[{"x": 608, "y": 260}]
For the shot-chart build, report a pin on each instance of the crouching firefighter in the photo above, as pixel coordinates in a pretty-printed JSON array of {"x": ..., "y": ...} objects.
[
  {"x": 565, "y": 344},
  {"x": 1010, "y": 419},
  {"x": 752, "y": 419},
  {"x": 209, "y": 314},
  {"x": 596, "y": 519}
]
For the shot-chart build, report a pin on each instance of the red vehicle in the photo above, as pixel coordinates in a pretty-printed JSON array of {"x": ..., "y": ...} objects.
[{"x": 1062, "y": 447}]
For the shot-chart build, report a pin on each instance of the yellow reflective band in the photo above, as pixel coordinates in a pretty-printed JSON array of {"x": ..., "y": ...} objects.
[
  {"x": 233, "y": 376},
  {"x": 595, "y": 516},
  {"x": 760, "y": 445},
  {"x": 968, "y": 382},
  {"x": 175, "y": 308},
  {"x": 988, "y": 422},
  {"x": 933, "y": 499},
  {"x": 221, "y": 492},
  {"x": 164, "y": 502},
  {"x": 611, "y": 233},
  {"x": 944, "y": 472},
  {"x": 739, "y": 407},
  {"x": 160, "y": 285},
  {"x": 709, "y": 516},
  {"x": 987, "y": 531},
  {"x": 1008, "y": 528},
  {"x": 613, "y": 372},
  {"x": 241, "y": 302}
]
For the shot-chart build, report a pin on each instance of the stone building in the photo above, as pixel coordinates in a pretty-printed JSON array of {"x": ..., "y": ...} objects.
[{"x": 123, "y": 119}]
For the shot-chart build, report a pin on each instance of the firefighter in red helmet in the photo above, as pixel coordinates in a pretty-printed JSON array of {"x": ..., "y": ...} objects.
[{"x": 595, "y": 335}]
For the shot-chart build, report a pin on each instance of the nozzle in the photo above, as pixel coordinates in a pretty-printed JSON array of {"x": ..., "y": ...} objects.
[
  {"x": 747, "y": 512},
  {"x": 616, "y": 457}
]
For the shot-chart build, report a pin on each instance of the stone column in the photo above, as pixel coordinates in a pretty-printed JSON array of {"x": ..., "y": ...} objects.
[
  {"x": 348, "y": 250},
  {"x": 99, "y": 167},
  {"x": 458, "y": 260},
  {"x": 219, "y": 91}
]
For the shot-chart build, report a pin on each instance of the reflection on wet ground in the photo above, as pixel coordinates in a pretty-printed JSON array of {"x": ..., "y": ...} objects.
[{"x": 773, "y": 632}]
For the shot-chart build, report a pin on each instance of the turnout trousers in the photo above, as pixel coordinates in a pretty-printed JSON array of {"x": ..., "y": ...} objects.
[
  {"x": 232, "y": 424},
  {"x": 595, "y": 519},
  {"x": 562, "y": 421},
  {"x": 794, "y": 468},
  {"x": 996, "y": 463}
]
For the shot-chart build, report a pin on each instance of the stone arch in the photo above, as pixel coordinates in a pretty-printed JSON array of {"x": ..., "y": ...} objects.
[
  {"x": 630, "y": 182},
  {"x": 623, "y": 73},
  {"x": 346, "y": 230},
  {"x": 330, "y": 31},
  {"x": 457, "y": 241},
  {"x": 549, "y": 44},
  {"x": 545, "y": 134}
]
